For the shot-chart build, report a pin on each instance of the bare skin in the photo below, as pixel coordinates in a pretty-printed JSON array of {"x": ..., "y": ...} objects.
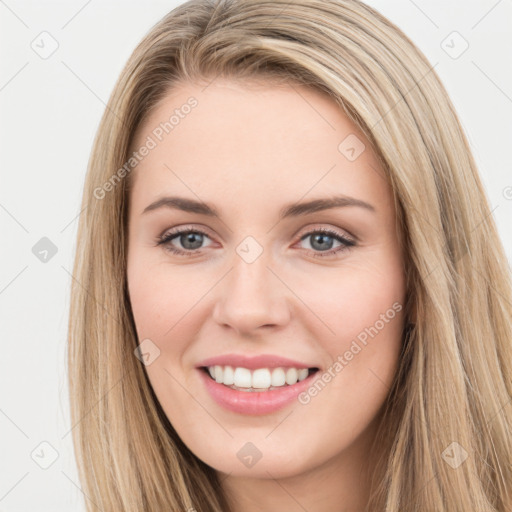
[{"x": 249, "y": 151}]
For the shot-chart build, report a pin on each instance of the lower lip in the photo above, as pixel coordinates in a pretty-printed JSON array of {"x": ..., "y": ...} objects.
[{"x": 254, "y": 402}]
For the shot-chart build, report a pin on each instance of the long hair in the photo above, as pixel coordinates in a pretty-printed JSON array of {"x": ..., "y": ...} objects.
[{"x": 448, "y": 417}]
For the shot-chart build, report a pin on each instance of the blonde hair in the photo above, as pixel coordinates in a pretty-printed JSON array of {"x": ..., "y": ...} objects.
[{"x": 455, "y": 377}]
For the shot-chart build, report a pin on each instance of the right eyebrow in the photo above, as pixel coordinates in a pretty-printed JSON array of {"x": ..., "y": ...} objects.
[{"x": 184, "y": 204}]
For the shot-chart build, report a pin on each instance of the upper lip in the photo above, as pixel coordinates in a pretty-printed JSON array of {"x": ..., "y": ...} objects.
[{"x": 254, "y": 362}]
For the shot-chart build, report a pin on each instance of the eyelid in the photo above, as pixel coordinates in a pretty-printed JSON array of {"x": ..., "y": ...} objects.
[
  {"x": 185, "y": 228},
  {"x": 327, "y": 227},
  {"x": 304, "y": 230},
  {"x": 346, "y": 239}
]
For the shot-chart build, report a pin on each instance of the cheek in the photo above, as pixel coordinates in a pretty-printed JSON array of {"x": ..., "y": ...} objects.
[
  {"x": 340, "y": 315},
  {"x": 363, "y": 312},
  {"x": 367, "y": 317},
  {"x": 166, "y": 302},
  {"x": 353, "y": 301},
  {"x": 163, "y": 310},
  {"x": 160, "y": 298}
]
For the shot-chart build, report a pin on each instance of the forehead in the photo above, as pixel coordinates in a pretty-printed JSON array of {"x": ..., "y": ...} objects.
[{"x": 254, "y": 140}]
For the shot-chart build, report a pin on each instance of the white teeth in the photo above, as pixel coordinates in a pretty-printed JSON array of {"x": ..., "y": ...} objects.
[
  {"x": 242, "y": 377},
  {"x": 302, "y": 374},
  {"x": 278, "y": 377},
  {"x": 229, "y": 376},
  {"x": 262, "y": 378},
  {"x": 291, "y": 376},
  {"x": 219, "y": 374}
]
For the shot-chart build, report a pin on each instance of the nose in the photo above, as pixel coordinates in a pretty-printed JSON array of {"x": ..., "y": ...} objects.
[{"x": 252, "y": 296}]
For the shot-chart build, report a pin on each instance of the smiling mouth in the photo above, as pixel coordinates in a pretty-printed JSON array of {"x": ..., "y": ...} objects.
[{"x": 291, "y": 377}]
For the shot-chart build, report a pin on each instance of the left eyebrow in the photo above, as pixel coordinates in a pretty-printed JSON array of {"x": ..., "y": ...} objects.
[
  {"x": 316, "y": 205},
  {"x": 291, "y": 210}
]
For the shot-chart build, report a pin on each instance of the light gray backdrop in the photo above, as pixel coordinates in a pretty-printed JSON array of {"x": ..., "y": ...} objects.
[{"x": 59, "y": 61}]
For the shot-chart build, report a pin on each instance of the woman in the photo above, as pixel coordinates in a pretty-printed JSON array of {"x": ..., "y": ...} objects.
[{"x": 221, "y": 358}]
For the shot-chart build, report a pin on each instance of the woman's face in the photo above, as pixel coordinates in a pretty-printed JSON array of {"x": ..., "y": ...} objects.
[{"x": 258, "y": 278}]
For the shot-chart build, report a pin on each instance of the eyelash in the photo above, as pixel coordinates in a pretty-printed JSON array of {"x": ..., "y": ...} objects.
[{"x": 347, "y": 243}]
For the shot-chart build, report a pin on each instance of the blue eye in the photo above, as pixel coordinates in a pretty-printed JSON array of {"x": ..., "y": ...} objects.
[
  {"x": 320, "y": 236},
  {"x": 186, "y": 236},
  {"x": 192, "y": 239}
]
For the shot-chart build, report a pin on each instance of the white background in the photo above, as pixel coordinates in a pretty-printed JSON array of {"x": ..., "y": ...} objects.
[{"x": 50, "y": 109}]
